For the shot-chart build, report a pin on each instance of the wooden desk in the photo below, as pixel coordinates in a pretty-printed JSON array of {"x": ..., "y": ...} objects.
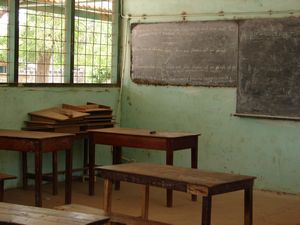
[
  {"x": 39, "y": 142},
  {"x": 52, "y": 176},
  {"x": 188, "y": 180},
  {"x": 28, "y": 215},
  {"x": 141, "y": 138}
]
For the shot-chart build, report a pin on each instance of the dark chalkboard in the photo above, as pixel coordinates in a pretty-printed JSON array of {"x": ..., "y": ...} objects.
[
  {"x": 185, "y": 53},
  {"x": 269, "y": 67}
]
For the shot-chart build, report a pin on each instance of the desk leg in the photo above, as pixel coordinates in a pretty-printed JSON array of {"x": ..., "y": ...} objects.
[
  {"x": 169, "y": 161},
  {"x": 54, "y": 173},
  {"x": 145, "y": 202},
  {"x": 117, "y": 159},
  {"x": 68, "y": 178},
  {"x": 38, "y": 178},
  {"x": 1, "y": 190},
  {"x": 194, "y": 160},
  {"x": 107, "y": 196},
  {"x": 85, "y": 154},
  {"x": 248, "y": 206},
  {"x": 24, "y": 169},
  {"x": 206, "y": 210},
  {"x": 91, "y": 167}
]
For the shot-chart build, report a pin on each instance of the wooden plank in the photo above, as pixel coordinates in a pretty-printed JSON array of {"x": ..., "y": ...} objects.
[
  {"x": 116, "y": 218},
  {"x": 144, "y": 132},
  {"x": 36, "y": 216},
  {"x": 4, "y": 176},
  {"x": 30, "y": 134},
  {"x": 177, "y": 177},
  {"x": 58, "y": 114}
]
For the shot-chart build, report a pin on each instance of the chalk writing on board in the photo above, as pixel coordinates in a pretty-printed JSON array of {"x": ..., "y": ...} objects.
[
  {"x": 189, "y": 53},
  {"x": 269, "y": 67}
]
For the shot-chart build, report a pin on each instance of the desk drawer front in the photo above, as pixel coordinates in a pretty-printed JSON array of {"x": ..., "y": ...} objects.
[{"x": 17, "y": 144}]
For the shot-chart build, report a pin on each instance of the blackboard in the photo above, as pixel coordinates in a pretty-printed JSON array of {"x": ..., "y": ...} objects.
[
  {"x": 185, "y": 53},
  {"x": 269, "y": 67}
]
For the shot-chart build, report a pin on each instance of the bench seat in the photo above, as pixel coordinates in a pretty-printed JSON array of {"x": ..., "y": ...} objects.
[
  {"x": 3, "y": 177},
  {"x": 115, "y": 218}
]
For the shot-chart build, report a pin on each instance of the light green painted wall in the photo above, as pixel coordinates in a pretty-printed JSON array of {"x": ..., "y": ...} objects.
[
  {"x": 267, "y": 149},
  {"x": 16, "y": 102}
]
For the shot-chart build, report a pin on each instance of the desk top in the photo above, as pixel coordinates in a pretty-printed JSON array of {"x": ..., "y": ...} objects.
[
  {"x": 31, "y": 134},
  {"x": 142, "y": 132},
  {"x": 182, "y": 175},
  {"x": 20, "y": 214}
]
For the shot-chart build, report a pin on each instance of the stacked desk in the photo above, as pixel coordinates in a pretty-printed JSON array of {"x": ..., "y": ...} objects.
[{"x": 75, "y": 119}]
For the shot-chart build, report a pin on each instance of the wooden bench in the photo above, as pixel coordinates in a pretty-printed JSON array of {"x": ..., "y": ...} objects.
[
  {"x": 4, "y": 177},
  {"x": 192, "y": 181},
  {"x": 28, "y": 215},
  {"x": 115, "y": 218}
]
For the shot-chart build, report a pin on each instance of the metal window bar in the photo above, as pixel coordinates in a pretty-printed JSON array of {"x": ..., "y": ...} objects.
[
  {"x": 92, "y": 48},
  {"x": 4, "y": 37},
  {"x": 42, "y": 42}
]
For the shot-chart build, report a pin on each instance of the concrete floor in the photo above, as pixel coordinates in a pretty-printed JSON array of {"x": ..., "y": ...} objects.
[{"x": 227, "y": 209}]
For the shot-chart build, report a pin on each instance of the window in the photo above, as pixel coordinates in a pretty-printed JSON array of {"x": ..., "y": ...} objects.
[
  {"x": 93, "y": 42},
  {"x": 63, "y": 41},
  {"x": 3, "y": 41}
]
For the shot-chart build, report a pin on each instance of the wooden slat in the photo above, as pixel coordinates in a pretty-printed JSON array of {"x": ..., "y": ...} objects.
[
  {"x": 30, "y": 134},
  {"x": 143, "y": 132},
  {"x": 116, "y": 218},
  {"x": 180, "y": 174},
  {"x": 4, "y": 176},
  {"x": 37, "y": 216},
  {"x": 190, "y": 180}
]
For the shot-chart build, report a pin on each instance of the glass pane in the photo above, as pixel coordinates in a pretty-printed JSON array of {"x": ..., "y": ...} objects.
[
  {"x": 93, "y": 41},
  {"x": 42, "y": 41},
  {"x": 3, "y": 40}
]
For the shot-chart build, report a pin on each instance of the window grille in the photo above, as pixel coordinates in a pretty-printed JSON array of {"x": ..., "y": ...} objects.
[
  {"x": 4, "y": 18},
  {"x": 41, "y": 41},
  {"x": 65, "y": 41},
  {"x": 93, "y": 41}
]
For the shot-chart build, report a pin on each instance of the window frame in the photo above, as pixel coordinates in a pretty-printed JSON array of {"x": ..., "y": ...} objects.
[{"x": 13, "y": 46}]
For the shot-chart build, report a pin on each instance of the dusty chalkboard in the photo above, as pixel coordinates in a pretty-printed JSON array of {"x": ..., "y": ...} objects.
[
  {"x": 269, "y": 67},
  {"x": 185, "y": 53}
]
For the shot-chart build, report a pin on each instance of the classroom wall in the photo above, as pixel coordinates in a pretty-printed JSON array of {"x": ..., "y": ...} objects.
[
  {"x": 267, "y": 149},
  {"x": 16, "y": 102}
]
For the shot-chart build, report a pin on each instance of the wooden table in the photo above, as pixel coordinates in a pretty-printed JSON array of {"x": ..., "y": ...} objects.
[
  {"x": 28, "y": 215},
  {"x": 193, "y": 181},
  {"x": 4, "y": 177},
  {"x": 40, "y": 142},
  {"x": 54, "y": 179},
  {"x": 141, "y": 138}
]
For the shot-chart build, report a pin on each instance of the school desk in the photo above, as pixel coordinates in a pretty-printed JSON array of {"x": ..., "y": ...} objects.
[
  {"x": 193, "y": 181},
  {"x": 38, "y": 143},
  {"x": 145, "y": 139}
]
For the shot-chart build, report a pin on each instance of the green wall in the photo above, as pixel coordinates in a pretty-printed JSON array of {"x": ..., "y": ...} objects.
[
  {"x": 16, "y": 102},
  {"x": 267, "y": 149}
]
